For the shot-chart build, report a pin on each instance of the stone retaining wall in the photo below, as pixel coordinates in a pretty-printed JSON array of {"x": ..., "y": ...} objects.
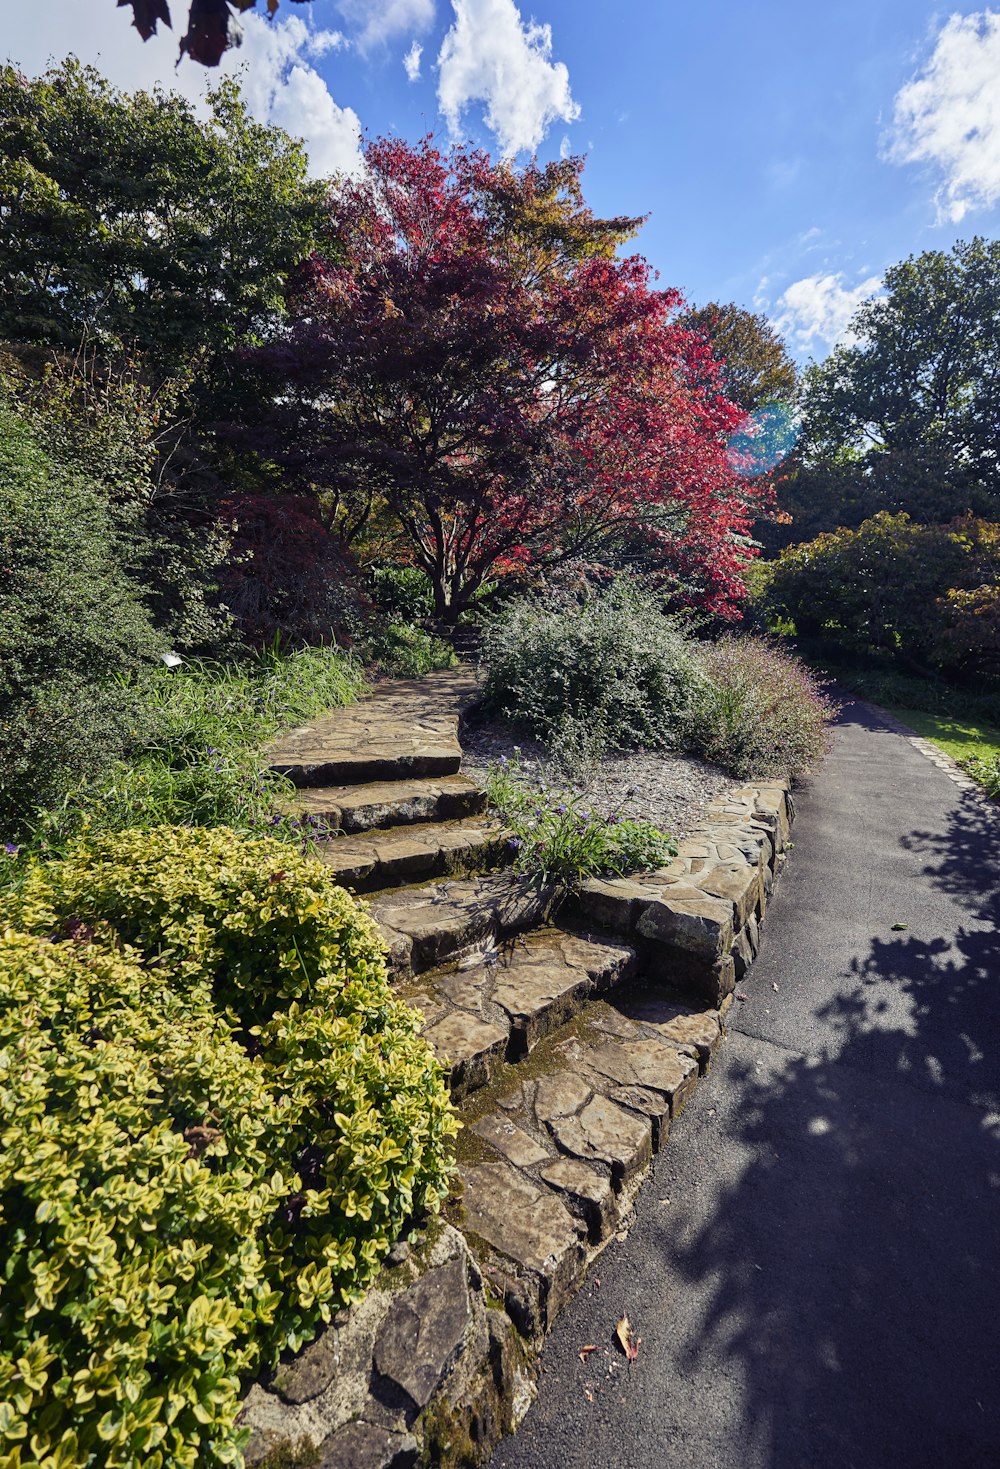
[{"x": 696, "y": 923}]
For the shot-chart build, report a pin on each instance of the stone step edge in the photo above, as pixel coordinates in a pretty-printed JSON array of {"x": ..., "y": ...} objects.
[
  {"x": 697, "y": 922},
  {"x": 434, "y": 923},
  {"x": 377, "y": 805},
  {"x": 550, "y": 1164},
  {"x": 489, "y": 1011},
  {"x": 389, "y": 857}
]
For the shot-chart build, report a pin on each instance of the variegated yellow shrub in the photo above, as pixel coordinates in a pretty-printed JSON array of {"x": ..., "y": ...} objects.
[{"x": 215, "y": 1121}]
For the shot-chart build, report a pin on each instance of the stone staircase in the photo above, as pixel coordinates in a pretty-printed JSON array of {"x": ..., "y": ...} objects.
[{"x": 574, "y": 1026}]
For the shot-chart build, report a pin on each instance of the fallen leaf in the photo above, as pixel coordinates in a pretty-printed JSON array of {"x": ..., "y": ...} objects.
[
  {"x": 898, "y": 927},
  {"x": 588, "y": 1394},
  {"x": 775, "y": 986},
  {"x": 630, "y": 1345},
  {"x": 585, "y": 1352}
]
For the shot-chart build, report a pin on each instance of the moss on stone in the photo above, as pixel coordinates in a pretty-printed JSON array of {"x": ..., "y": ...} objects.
[{"x": 302, "y": 1454}]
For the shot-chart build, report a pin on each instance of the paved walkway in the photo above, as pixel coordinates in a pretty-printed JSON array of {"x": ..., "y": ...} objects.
[{"x": 815, "y": 1271}]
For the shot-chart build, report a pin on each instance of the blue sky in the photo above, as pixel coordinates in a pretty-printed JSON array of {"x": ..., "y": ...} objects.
[{"x": 786, "y": 152}]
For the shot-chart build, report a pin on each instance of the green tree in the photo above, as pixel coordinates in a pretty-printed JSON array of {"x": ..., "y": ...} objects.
[
  {"x": 910, "y": 408},
  {"x": 126, "y": 221},
  {"x": 758, "y": 369}
]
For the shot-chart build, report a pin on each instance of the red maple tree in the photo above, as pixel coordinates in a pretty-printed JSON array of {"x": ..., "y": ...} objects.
[{"x": 477, "y": 364}]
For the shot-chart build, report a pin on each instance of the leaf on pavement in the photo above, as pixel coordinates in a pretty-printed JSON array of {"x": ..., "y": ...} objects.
[
  {"x": 630, "y": 1345},
  {"x": 585, "y": 1352}
]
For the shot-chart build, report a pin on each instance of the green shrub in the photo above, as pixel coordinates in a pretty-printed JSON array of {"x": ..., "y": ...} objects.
[
  {"x": 216, "y": 1119},
  {"x": 556, "y": 835},
  {"x": 762, "y": 711},
  {"x": 198, "y": 760},
  {"x": 402, "y": 650},
  {"x": 72, "y": 620},
  {"x": 612, "y": 670},
  {"x": 923, "y": 593}
]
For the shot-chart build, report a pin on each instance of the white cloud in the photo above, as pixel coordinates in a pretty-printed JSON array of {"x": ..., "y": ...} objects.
[
  {"x": 278, "y": 81},
  {"x": 374, "y": 22},
  {"x": 949, "y": 115},
  {"x": 411, "y": 61},
  {"x": 282, "y": 88},
  {"x": 818, "y": 309},
  {"x": 491, "y": 56}
]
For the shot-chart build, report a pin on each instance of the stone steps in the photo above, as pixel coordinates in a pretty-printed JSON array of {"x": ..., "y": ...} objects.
[
  {"x": 387, "y": 803},
  {"x": 439, "y": 922},
  {"x": 574, "y": 1024},
  {"x": 493, "y": 1008},
  {"x": 552, "y": 1154},
  {"x": 394, "y": 855},
  {"x": 405, "y": 729}
]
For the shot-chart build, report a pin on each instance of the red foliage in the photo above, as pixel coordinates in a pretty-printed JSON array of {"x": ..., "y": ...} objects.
[
  {"x": 212, "y": 28},
  {"x": 285, "y": 574},
  {"x": 480, "y": 361}
]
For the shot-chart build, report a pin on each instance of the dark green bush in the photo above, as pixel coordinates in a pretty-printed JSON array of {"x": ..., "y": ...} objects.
[
  {"x": 215, "y": 1121},
  {"x": 762, "y": 712},
  {"x": 925, "y": 594},
  {"x": 612, "y": 666},
  {"x": 72, "y": 621}
]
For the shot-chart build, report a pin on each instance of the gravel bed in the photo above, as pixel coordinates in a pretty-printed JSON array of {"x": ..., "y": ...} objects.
[{"x": 672, "y": 791}]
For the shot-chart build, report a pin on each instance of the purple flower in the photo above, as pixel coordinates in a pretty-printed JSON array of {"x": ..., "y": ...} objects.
[{"x": 11, "y": 849}]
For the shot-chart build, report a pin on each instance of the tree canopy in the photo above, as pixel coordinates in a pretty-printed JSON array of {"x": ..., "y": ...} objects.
[
  {"x": 482, "y": 368},
  {"x": 128, "y": 222},
  {"x": 757, "y": 369},
  {"x": 909, "y": 409}
]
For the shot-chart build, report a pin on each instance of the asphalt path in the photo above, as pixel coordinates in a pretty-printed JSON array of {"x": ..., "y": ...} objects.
[{"x": 814, "y": 1268}]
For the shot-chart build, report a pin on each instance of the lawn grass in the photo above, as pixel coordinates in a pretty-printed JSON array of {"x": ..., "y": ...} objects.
[{"x": 958, "y": 738}]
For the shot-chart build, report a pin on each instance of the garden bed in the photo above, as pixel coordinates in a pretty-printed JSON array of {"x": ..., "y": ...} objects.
[{"x": 672, "y": 790}]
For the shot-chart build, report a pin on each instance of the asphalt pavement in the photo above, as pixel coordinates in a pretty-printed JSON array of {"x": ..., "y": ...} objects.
[{"x": 814, "y": 1268}]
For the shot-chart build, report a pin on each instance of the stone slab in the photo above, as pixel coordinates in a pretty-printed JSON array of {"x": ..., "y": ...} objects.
[
  {"x": 588, "y": 1192},
  {"x": 473, "y": 1050},
  {"x": 403, "y": 728},
  {"x": 536, "y": 1239},
  {"x": 423, "y": 1332},
  {"x": 366, "y": 1446},
  {"x": 517, "y": 1146}
]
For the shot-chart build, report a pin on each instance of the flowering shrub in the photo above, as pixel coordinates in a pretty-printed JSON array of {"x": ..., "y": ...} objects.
[
  {"x": 555, "y": 835},
  {"x": 215, "y": 1121},
  {"x": 762, "y": 712}
]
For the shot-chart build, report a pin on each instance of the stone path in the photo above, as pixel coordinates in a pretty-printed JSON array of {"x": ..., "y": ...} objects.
[{"x": 574, "y": 1030}]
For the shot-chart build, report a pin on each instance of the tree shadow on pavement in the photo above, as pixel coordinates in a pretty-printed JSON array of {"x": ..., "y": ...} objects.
[{"x": 847, "y": 1274}]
